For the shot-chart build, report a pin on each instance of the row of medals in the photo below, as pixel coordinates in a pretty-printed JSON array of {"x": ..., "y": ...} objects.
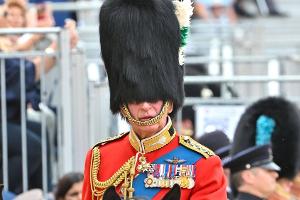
[{"x": 167, "y": 175}]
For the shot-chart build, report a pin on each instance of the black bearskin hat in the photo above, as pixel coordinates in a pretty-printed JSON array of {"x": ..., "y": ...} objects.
[
  {"x": 217, "y": 141},
  {"x": 280, "y": 118},
  {"x": 140, "y": 40}
]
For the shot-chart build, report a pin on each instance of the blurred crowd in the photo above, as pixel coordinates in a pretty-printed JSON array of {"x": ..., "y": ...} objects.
[{"x": 232, "y": 10}]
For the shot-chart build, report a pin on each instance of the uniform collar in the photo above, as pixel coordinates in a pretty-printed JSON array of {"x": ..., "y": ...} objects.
[
  {"x": 157, "y": 141},
  {"x": 247, "y": 196}
]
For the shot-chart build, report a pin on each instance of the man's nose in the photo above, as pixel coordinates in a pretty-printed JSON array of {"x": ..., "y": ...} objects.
[{"x": 145, "y": 105}]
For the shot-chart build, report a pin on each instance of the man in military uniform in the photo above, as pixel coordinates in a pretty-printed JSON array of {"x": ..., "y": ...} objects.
[
  {"x": 140, "y": 43},
  {"x": 275, "y": 121},
  {"x": 253, "y": 173}
]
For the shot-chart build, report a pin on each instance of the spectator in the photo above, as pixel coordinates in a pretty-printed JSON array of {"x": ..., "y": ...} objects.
[
  {"x": 69, "y": 187},
  {"x": 36, "y": 15},
  {"x": 215, "y": 10},
  {"x": 15, "y": 16},
  {"x": 272, "y": 9}
]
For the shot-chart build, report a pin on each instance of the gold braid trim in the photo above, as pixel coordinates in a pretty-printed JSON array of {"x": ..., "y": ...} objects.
[
  {"x": 125, "y": 112},
  {"x": 188, "y": 142},
  {"x": 98, "y": 187}
]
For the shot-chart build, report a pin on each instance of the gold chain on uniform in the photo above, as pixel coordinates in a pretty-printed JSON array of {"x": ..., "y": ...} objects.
[
  {"x": 149, "y": 122},
  {"x": 114, "y": 180}
]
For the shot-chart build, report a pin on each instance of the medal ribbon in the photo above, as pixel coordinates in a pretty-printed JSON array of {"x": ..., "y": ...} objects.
[{"x": 191, "y": 157}]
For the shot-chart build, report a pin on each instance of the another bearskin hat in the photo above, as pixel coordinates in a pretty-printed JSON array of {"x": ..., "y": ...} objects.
[
  {"x": 272, "y": 120},
  {"x": 217, "y": 141},
  {"x": 140, "y": 41}
]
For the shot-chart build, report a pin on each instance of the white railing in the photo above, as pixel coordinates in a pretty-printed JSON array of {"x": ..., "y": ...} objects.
[{"x": 63, "y": 64}]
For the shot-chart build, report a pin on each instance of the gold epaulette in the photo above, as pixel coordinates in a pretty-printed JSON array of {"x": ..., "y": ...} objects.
[
  {"x": 190, "y": 143},
  {"x": 102, "y": 142}
]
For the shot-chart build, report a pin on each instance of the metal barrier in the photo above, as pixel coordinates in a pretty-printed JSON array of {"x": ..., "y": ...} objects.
[
  {"x": 64, "y": 131},
  {"x": 82, "y": 109}
]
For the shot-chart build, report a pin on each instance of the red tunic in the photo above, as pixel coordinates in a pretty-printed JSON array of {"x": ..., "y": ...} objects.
[{"x": 210, "y": 182}]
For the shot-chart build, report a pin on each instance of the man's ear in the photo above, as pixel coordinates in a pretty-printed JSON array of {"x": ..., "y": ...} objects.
[{"x": 248, "y": 176}]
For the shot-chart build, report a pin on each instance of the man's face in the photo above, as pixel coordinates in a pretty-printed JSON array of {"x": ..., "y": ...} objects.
[
  {"x": 15, "y": 17},
  {"x": 265, "y": 180},
  {"x": 144, "y": 111}
]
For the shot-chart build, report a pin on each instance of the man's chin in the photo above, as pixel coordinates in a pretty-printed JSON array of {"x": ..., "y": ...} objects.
[{"x": 149, "y": 130}]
